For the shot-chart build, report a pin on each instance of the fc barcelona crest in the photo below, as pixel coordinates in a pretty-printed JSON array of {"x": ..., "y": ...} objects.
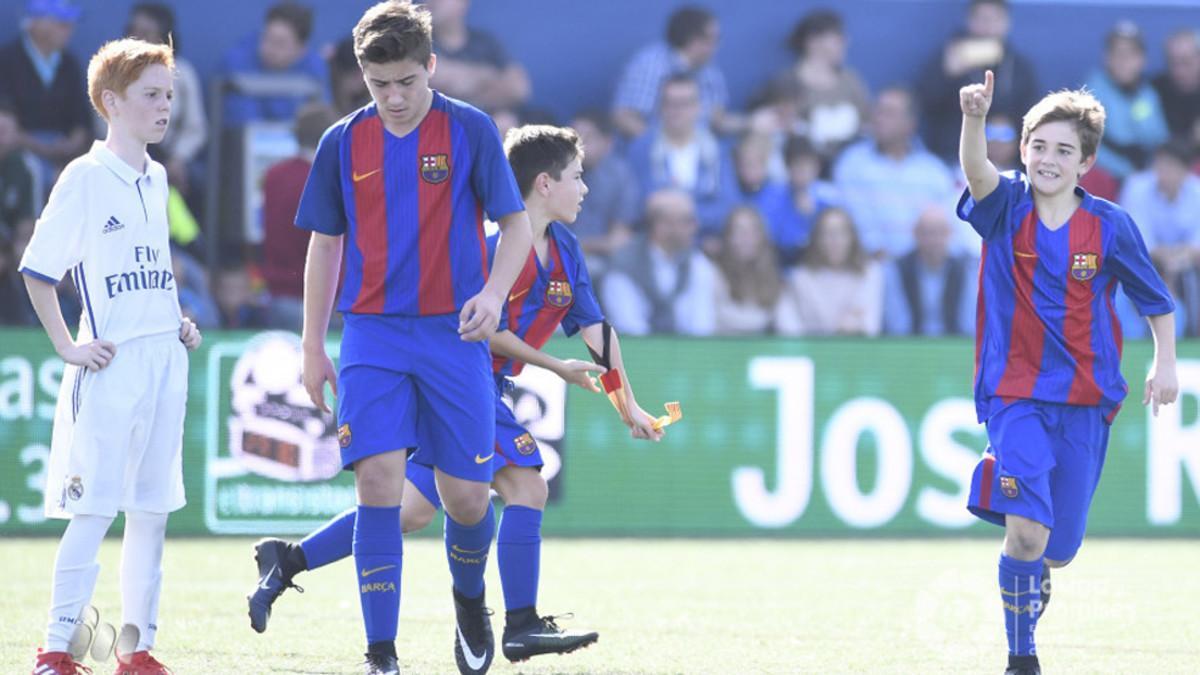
[
  {"x": 343, "y": 435},
  {"x": 558, "y": 293},
  {"x": 1008, "y": 486},
  {"x": 525, "y": 444},
  {"x": 1083, "y": 266},
  {"x": 435, "y": 168}
]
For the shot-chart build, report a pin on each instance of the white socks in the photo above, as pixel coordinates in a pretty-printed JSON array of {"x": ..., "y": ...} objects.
[
  {"x": 141, "y": 573},
  {"x": 75, "y": 570}
]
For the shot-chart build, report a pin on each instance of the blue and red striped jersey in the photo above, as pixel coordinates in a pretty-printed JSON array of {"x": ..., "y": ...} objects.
[
  {"x": 545, "y": 296},
  {"x": 411, "y": 208},
  {"x": 1046, "y": 327}
]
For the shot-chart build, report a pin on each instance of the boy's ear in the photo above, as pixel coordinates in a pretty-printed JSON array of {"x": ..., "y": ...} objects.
[
  {"x": 1087, "y": 163},
  {"x": 109, "y": 98},
  {"x": 542, "y": 183}
]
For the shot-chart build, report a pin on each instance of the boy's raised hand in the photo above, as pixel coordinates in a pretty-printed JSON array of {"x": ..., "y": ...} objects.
[
  {"x": 580, "y": 373},
  {"x": 976, "y": 99}
]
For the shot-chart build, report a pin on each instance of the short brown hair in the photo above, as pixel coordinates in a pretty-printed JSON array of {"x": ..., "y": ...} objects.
[
  {"x": 118, "y": 63},
  {"x": 298, "y": 17},
  {"x": 1077, "y": 106},
  {"x": 394, "y": 30},
  {"x": 535, "y": 149}
]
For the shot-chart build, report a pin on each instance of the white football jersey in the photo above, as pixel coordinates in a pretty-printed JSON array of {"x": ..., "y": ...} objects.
[{"x": 106, "y": 224}]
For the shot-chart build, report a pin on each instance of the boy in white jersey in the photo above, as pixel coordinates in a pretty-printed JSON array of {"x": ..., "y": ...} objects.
[{"x": 118, "y": 427}]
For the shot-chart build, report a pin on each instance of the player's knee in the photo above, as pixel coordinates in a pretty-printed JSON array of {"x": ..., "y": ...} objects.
[
  {"x": 466, "y": 508},
  {"x": 1025, "y": 539},
  {"x": 523, "y": 487},
  {"x": 416, "y": 517},
  {"x": 377, "y": 489}
]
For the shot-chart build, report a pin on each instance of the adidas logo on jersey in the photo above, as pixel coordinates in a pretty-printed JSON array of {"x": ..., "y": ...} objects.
[{"x": 112, "y": 225}]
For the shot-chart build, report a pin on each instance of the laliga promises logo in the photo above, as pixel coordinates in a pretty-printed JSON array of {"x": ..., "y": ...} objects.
[{"x": 274, "y": 429}]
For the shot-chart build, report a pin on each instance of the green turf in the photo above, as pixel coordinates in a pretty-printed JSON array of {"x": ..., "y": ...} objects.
[{"x": 671, "y": 606}]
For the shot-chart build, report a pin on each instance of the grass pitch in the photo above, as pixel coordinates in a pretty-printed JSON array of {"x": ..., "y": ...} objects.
[{"x": 668, "y": 606}]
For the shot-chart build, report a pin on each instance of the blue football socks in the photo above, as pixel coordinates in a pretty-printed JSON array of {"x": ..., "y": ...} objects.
[
  {"x": 467, "y": 552},
  {"x": 519, "y": 553},
  {"x": 378, "y": 558},
  {"x": 331, "y": 543},
  {"x": 1021, "y": 593}
]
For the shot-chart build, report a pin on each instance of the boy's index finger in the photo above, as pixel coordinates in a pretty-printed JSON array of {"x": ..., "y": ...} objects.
[{"x": 989, "y": 82}]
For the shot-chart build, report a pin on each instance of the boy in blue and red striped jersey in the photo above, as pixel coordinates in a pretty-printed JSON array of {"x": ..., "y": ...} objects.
[
  {"x": 553, "y": 289},
  {"x": 1048, "y": 346},
  {"x": 403, "y": 184}
]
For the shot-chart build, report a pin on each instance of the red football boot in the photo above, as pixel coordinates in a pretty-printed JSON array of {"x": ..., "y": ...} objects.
[
  {"x": 140, "y": 663},
  {"x": 57, "y": 663}
]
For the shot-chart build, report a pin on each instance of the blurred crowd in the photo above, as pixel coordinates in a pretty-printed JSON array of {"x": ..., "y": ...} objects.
[{"x": 821, "y": 208}]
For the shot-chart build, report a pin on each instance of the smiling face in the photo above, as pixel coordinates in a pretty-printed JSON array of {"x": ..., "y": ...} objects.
[
  {"x": 144, "y": 109},
  {"x": 400, "y": 89},
  {"x": 1053, "y": 159},
  {"x": 564, "y": 196}
]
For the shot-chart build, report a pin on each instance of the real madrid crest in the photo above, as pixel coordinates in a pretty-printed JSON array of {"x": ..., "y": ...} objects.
[
  {"x": 75, "y": 488},
  {"x": 1083, "y": 266},
  {"x": 435, "y": 168}
]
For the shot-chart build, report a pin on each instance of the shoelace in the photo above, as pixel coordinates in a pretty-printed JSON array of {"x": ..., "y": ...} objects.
[
  {"x": 67, "y": 666},
  {"x": 376, "y": 660},
  {"x": 147, "y": 660},
  {"x": 550, "y": 623},
  {"x": 287, "y": 583}
]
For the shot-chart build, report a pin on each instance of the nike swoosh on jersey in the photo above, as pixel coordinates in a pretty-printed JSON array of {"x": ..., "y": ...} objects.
[
  {"x": 482, "y": 460},
  {"x": 362, "y": 176},
  {"x": 474, "y": 662},
  {"x": 367, "y": 573},
  {"x": 514, "y": 296}
]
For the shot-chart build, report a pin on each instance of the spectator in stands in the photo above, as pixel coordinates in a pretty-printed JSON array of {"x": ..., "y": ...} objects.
[
  {"x": 280, "y": 48},
  {"x": 752, "y": 165},
  {"x": 931, "y": 290},
  {"x": 790, "y": 208},
  {"x": 1164, "y": 201},
  {"x": 774, "y": 115},
  {"x": 691, "y": 42},
  {"x": 45, "y": 83},
  {"x": 472, "y": 65},
  {"x": 188, "y": 131},
  {"x": 660, "y": 282},
  {"x": 238, "y": 299},
  {"x": 681, "y": 152},
  {"x": 830, "y": 97},
  {"x": 888, "y": 179},
  {"x": 68, "y": 299},
  {"x": 285, "y": 246},
  {"x": 191, "y": 281},
  {"x": 837, "y": 289},
  {"x": 748, "y": 286},
  {"x": 346, "y": 82},
  {"x": 1134, "y": 123},
  {"x": 1179, "y": 86},
  {"x": 605, "y": 225},
  {"x": 1004, "y": 142},
  {"x": 982, "y": 45},
  {"x": 15, "y": 309},
  {"x": 16, "y": 178}
]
